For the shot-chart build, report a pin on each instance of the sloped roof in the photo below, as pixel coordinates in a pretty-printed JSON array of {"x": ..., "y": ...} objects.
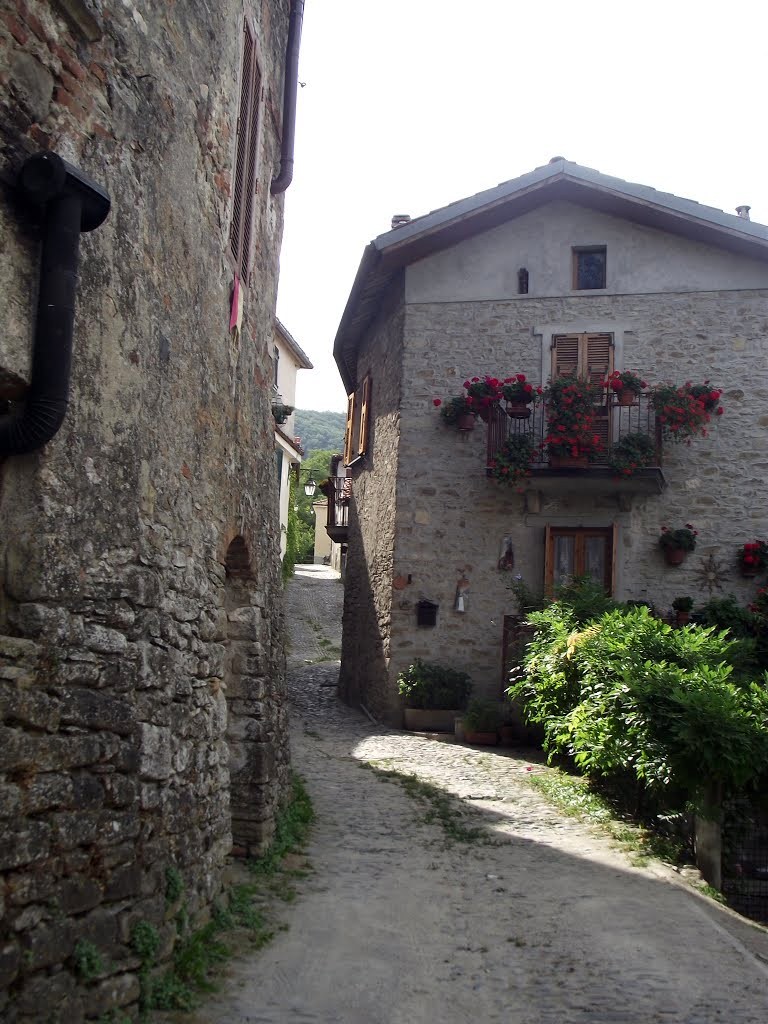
[
  {"x": 387, "y": 254},
  {"x": 296, "y": 350}
]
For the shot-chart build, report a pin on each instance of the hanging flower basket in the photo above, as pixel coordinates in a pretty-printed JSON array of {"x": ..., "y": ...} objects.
[
  {"x": 518, "y": 394},
  {"x": 518, "y": 410},
  {"x": 626, "y": 386},
  {"x": 457, "y": 412},
  {"x": 753, "y": 558},
  {"x": 677, "y": 543},
  {"x": 482, "y": 394}
]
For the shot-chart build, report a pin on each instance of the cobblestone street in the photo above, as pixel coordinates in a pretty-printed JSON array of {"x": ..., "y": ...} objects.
[{"x": 542, "y": 921}]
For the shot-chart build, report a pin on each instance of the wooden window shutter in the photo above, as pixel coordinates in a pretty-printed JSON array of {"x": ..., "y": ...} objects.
[
  {"x": 599, "y": 357},
  {"x": 244, "y": 184},
  {"x": 362, "y": 445},
  {"x": 565, "y": 354},
  {"x": 348, "y": 456},
  {"x": 598, "y": 364}
]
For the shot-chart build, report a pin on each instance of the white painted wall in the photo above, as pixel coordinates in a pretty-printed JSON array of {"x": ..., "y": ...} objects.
[{"x": 640, "y": 260}]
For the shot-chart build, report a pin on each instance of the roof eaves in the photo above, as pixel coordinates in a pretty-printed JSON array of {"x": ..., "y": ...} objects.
[{"x": 301, "y": 356}]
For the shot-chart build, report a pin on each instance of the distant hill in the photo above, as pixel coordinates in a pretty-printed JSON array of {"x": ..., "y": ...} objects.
[{"x": 320, "y": 429}]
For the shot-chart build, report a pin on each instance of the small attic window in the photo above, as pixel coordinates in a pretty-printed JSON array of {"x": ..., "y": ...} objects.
[{"x": 589, "y": 267}]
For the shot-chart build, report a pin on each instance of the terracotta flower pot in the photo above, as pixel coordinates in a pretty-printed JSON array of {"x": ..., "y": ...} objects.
[
  {"x": 675, "y": 556},
  {"x": 484, "y": 412},
  {"x": 626, "y": 396},
  {"x": 481, "y": 739},
  {"x": 518, "y": 410},
  {"x": 466, "y": 422},
  {"x": 568, "y": 462},
  {"x": 748, "y": 571},
  {"x": 507, "y": 735},
  {"x": 682, "y": 618}
]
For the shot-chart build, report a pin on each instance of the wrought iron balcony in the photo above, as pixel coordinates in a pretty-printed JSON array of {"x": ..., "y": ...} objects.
[
  {"x": 337, "y": 490},
  {"x": 613, "y": 422}
]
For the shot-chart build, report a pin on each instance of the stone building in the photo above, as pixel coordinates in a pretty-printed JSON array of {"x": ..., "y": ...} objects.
[
  {"x": 562, "y": 267},
  {"x": 142, "y": 724}
]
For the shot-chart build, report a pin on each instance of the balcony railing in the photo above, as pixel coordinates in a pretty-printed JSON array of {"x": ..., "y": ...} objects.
[
  {"x": 612, "y": 423},
  {"x": 338, "y": 493}
]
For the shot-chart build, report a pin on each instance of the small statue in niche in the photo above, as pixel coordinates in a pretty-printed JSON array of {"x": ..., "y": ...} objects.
[
  {"x": 462, "y": 593},
  {"x": 506, "y": 555}
]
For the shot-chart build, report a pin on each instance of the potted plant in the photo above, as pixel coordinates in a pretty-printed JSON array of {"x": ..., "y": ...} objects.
[
  {"x": 682, "y": 607},
  {"x": 518, "y": 394},
  {"x": 481, "y": 722},
  {"x": 483, "y": 392},
  {"x": 677, "y": 543},
  {"x": 513, "y": 460},
  {"x": 626, "y": 386},
  {"x": 571, "y": 405},
  {"x": 707, "y": 395},
  {"x": 281, "y": 412},
  {"x": 457, "y": 411},
  {"x": 753, "y": 558},
  {"x": 684, "y": 412},
  {"x": 631, "y": 453},
  {"x": 433, "y": 694}
]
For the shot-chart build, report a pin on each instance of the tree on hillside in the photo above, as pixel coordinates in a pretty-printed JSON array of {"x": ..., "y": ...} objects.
[{"x": 320, "y": 430}]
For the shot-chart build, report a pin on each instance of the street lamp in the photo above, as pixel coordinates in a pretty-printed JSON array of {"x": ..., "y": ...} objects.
[{"x": 310, "y": 484}]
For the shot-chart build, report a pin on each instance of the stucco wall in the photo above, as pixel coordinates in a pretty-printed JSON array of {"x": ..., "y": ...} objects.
[
  {"x": 640, "y": 260},
  {"x": 366, "y": 646},
  {"x": 142, "y": 664}
]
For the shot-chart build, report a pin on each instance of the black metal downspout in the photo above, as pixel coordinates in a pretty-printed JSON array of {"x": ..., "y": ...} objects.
[
  {"x": 290, "y": 88},
  {"x": 72, "y": 204}
]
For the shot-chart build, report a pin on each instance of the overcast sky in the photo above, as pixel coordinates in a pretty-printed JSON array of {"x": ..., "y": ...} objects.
[{"x": 412, "y": 104}]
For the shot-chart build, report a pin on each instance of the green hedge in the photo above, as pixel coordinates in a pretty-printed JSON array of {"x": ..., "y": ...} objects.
[{"x": 628, "y": 692}]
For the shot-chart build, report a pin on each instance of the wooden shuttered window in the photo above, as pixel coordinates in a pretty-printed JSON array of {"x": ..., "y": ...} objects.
[
  {"x": 357, "y": 435},
  {"x": 589, "y": 356},
  {"x": 348, "y": 456},
  {"x": 362, "y": 443},
  {"x": 246, "y": 157},
  {"x": 571, "y": 552}
]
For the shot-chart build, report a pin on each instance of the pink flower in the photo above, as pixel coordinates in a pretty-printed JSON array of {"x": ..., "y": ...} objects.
[{"x": 437, "y": 402}]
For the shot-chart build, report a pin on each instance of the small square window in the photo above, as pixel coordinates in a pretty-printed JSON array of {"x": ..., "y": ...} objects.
[{"x": 589, "y": 268}]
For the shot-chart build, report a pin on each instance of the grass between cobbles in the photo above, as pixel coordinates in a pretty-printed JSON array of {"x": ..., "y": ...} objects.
[
  {"x": 242, "y": 919},
  {"x": 574, "y": 796},
  {"x": 441, "y": 807}
]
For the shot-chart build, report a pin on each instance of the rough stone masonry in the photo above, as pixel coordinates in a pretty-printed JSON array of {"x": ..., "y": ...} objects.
[{"x": 142, "y": 725}]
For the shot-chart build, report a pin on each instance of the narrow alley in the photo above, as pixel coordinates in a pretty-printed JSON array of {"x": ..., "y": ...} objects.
[{"x": 536, "y": 919}]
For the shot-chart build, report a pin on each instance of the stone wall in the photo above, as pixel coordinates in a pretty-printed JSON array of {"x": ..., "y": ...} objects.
[
  {"x": 368, "y": 595},
  {"x": 451, "y": 519},
  {"x": 141, "y": 654}
]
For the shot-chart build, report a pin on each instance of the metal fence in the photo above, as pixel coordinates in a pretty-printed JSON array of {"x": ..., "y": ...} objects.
[{"x": 612, "y": 423}]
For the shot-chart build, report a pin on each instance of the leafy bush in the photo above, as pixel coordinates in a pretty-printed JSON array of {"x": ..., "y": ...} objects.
[
  {"x": 482, "y": 715},
  {"x": 427, "y": 685},
  {"x": 585, "y": 598},
  {"x": 632, "y": 452},
  {"x": 628, "y": 692}
]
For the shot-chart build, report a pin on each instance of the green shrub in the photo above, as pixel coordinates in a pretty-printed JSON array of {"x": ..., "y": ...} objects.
[
  {"x": 628, "y": 692},
  {"x": 585, "y": 598},
  {"x": 427, "y": 685},
  {"x": 482, "y": 715}
]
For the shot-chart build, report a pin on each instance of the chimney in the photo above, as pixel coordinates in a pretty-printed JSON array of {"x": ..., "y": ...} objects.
[
  {"x": 743, "y": 212},
  {"x": 404, "y": 218}
]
